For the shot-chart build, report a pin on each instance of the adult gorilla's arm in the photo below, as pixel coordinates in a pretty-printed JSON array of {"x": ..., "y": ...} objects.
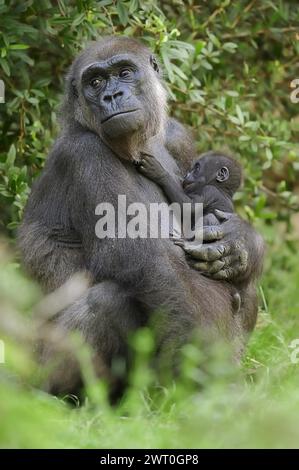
[{"x": 235, "y": 250}]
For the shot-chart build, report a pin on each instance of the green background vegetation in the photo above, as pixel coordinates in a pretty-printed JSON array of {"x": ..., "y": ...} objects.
[{"x": 228, "y": 67}]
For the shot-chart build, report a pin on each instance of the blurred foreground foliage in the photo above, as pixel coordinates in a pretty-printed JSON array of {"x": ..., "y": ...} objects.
[
  {"x": 228, "y": 66},
  {"x": 211, "y": 406}
]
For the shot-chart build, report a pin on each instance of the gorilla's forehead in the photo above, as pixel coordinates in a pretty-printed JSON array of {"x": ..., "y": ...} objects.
[
  {"x": 120, "y": 59},
  {"x": 110, "y": 49}
]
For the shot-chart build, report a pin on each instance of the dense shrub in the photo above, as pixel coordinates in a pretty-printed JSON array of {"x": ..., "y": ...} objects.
[{"x": 228, "y": 66}]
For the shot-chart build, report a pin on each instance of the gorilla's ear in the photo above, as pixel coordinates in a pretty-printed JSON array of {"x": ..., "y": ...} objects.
[
  {"x": 74, "y": 88},
  {"x": 222, "y": 174},
  {"x": 154, "y": 63}
]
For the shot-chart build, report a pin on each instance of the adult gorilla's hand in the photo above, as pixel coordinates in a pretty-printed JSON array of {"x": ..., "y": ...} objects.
[{"x": 231, "y": 250}]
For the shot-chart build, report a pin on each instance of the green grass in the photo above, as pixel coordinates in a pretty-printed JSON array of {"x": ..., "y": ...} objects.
[{"x": 255, "y": 407}]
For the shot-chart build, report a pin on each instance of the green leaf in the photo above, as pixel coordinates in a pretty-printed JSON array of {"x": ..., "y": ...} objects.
[
  {"x": 269, "y": 154},
  {"x": 234, "y": 120},
  {"x": 230, "y": 47},
  {"x": 253, "y": 125},
  {"x": 167, "y": 64},
  {"x": 5, "y": 67},
  {"x": 11, "y": 156},
  {"x": 214, "y": 40},
  {"x": 199, "y": 45},
  {"x": 206, "y": 64},
  {"x": 122, "y": 10},
  {"x": 79, "y": 20},
  {"x": 18, "y": 46},
  {"x": 240, "y": 115},
  {"x": 232, "y": 93},
  {"x": 133, "y": 6},
  {"x": 196, "y": 96}
]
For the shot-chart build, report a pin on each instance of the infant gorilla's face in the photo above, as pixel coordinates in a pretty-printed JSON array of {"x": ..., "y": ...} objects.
[
  {"x": 195, "y": 179},
  {"x": 206, "y": 170}
]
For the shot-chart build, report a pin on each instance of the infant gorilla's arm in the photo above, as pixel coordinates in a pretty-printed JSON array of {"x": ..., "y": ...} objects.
[{"x": 172, "y": 187}]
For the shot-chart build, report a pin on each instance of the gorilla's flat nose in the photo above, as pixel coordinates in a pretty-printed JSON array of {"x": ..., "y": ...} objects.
[
  {"x": 108, "y": 97},
  {"x": 187, "y": 180}
]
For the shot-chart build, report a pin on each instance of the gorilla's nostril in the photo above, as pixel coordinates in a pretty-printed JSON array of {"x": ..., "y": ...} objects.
[
  {"x": 112, "y": 96},
  {"x": 118, "y": 94}
]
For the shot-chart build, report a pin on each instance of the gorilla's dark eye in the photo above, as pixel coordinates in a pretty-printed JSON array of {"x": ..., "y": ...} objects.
[
  {"x": 197, "y": 166},
  {"x": 124, "y": 73},
  {"x": 96, "y": 82}
]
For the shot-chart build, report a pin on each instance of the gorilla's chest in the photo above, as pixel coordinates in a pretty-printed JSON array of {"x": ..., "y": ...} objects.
[
  {"x": 129, "y": 182},
  {"x": 135, "y": 214}
]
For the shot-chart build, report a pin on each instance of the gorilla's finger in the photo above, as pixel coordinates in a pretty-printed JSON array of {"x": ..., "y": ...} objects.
[
  {"x": 208, "y": 252},
  {"x": 181, "y": 245},
  {"x": 212, "y": 232},
  {"x": 222, "y": 216},
  {"x": 233, "y": 266},
  {"x": 147, "y": 155},
  {"x": 243, "y": 259},
  {"x": 211, "y": 268},
  {"x": 179, "y": 242},
  {"x": 225, "y": 274}
]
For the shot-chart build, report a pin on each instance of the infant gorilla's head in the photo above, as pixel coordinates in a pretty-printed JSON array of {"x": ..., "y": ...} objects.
[{"x": 216, "y": 169}]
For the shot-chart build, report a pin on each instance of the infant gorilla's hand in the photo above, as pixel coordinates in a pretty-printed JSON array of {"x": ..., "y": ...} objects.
[{"x": 150, "y": 167}]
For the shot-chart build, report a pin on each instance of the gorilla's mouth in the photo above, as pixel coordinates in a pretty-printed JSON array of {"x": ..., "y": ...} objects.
[{"x": 117, "y": 114}]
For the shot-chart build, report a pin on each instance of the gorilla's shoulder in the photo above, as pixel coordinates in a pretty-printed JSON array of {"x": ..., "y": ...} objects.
[
  {"x": 180, "y": 143},
  {"x": 173, "y": 126},
  {"x": 79, "y": 145}
]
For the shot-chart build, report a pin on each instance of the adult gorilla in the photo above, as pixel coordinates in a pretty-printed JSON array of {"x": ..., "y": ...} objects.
[{"x": 114, "y": 108}]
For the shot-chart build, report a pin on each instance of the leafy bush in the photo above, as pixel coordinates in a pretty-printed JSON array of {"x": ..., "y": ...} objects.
[{"x": 228, "y": 66}]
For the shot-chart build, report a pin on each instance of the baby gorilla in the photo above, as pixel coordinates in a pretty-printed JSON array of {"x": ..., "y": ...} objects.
[{"x": 212, "y": 181}]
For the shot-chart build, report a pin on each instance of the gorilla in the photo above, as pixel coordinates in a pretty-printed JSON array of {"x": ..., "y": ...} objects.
[
  {"x": 212, "y": 181},
  {"x": 114, "y": 109}
]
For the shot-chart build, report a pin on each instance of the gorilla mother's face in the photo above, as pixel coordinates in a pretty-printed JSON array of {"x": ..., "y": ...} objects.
[{"x": 116, "y": 94}]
